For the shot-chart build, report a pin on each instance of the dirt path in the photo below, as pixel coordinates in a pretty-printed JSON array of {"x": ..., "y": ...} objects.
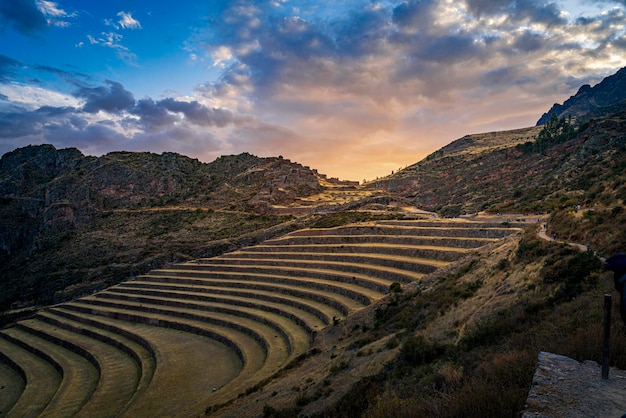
[{"x": 541, "y": 233}]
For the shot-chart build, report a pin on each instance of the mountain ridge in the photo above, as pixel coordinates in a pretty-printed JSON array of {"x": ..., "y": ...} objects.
[
  {"x": 50, "y": 199},
  {"x": 73, "y": 225},
  {"x": 604, "y": 98}
]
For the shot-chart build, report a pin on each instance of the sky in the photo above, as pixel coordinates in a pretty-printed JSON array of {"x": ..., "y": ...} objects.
[{"x": 354, "y": 88}]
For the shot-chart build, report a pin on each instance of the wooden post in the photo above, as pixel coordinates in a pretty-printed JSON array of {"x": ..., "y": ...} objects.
[{"x": 606, "y": 343}]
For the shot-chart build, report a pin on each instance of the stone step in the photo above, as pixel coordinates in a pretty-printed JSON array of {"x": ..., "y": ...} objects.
[
  {"x": 320, "y": 274},
  {"x": 315, "y": 320},
  {"x": 504, "y": 223},
  {"x": 141, "y": 354},
  {"x": 412, "y": 264},
  {"x": 184, "y": 362},
  {"x": 416, "y": 228},
  {"x": 324, "y": 308},
  {"x": 376, "y": 239},
  {"x": 386, "y": 273},
  {"x": 296, "y": 336},
  {"x": 381, "y": 250},
  {"x": 79, "y": 376},
  {"x": 118, "y": 372},
  {"x": 359, "y": 294},
  {"x": 500, "y": 222},
  {"x": 40, "y": 380}
]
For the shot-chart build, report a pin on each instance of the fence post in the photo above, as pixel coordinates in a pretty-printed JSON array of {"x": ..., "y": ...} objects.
[{"x": 606, "y": 343}]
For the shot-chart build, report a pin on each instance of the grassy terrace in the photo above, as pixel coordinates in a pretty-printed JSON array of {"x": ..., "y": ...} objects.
[
  {"x": 249, "y": 280},
  {"x": 319, "y": 274},
  {"x": 218, "y": 327},
  {"x": 370, "y": 270},
  {"x": 118, "y": 374},
  {"x": 79, "y": 376},
  {"x": 408, "y": 265},
  {"x": 403, "y": 240},
  {"x": 324, "y": 311},
  {"x": 13, "y": 382},
  {"x": 221, "y": 303},
  {"x": 39, "y": 380},
  {"x": 137, "y": 349}
]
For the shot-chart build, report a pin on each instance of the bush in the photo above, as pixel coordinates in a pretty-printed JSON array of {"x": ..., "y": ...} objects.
[
  {"x": 395, "y": 287},
  {"x": 572, "y": 271},
  {"x": 530, "y": 248},
  {"x": 416, "y": 350}
]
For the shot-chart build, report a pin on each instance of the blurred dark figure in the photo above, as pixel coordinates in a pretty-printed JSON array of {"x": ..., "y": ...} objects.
[{"x": 617, "y": 264}]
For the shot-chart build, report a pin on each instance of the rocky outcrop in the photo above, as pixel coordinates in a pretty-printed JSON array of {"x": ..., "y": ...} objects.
[
  {"x": 609, "y": 96},
  {"x": 563, "y": 387},
  {"x": 50, "y": 199}
]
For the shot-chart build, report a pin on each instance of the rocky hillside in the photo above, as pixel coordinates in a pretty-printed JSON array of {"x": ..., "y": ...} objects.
[
  {"x": 605, "y": 98},
  {"x": 461, "y": 341},
  {"x": 77, "y": 222},
  {"x": 501, "y": 171}
]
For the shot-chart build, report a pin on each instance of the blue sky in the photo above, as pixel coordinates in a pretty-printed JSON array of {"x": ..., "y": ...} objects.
[{"x": 355, "y": 88}]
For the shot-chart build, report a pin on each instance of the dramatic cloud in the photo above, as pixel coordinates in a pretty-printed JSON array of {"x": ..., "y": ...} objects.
[
  {"x": 154, "y": 115},
  {"x": 112, "y": 99},
  {"x": 23, "y": 15},
  {"x": 355, "y": 88},
  {"x": 113, "y": 39}
]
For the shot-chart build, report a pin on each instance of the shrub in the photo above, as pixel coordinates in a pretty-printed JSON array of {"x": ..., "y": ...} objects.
[
  {"x": 530, "y": 248},
  {"x": 416, "y": 350},
  {"x": 395, "y": 287},
  {"x": 572, "y": 271}
]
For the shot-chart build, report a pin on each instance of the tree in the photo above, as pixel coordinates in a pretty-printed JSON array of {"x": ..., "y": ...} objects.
[{"x": 554, "y": 131}]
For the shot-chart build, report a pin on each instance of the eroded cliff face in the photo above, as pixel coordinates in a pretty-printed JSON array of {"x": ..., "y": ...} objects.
[
  {"x": 59, "y": 203},
  {"x": 25, "y": 176}
]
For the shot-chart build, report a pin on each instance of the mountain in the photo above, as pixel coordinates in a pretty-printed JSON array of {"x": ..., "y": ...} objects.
[
  {"x": 80, "y": 223},
  {"x": 506, "y": 171},
  {"x": 460, "y": 341},
  {"x": 607, "y": 97}
]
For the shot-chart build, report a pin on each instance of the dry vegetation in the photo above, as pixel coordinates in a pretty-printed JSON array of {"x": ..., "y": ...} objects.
[
  {"x": 464, "y": 341},
  {"x": 460, "y": 341}
]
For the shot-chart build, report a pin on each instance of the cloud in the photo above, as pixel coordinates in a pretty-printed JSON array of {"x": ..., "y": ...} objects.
[
  {"x": 153, "y": 116},
  {"x": 23, "y": 15},
  {"x": 8, "y": 67},
  {"x": 55, "y": 16},
  {"x": 113, "y": 40},
  {"x": 221, "y": 56},
  {"x": 113, "y": 98},
  {"x": 517, "y": 10},
  {"x": 414, "y": 14},
  {"x": 89, "y": 137},
  {"x": 197, "y": 113},
  {"x": 379, "y": 68},
  {"x": 72, "y": 77},
  {"x": 387, "y": 81},
  {"x": 127, "y": 21},
  {"x": 169, "y": 111}
]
